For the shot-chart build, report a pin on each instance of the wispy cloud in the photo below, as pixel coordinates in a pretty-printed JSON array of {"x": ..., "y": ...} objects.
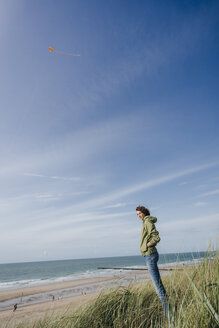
[
  {"x": 51, "y": 177},
  {"x": 26, "y": 198},
  {"x": 72, "y": 222},
  {"x": 198, "y": 204},
  {"x": 116, "y": 205},
  {"x": 76, "y": 148},
  {"x": 191, "y": 224},
  {"x": 117, "y": 195},
  {"x": 38, "y": 197},
  {"x": 183, "y": 183},
  {"x": 210, "y": 193},
  {"x": 189, "y": 234},
  {"x": 216, "y": 179}
]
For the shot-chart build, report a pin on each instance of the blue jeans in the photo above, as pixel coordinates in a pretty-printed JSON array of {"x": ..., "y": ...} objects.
[{"x": 151, "y": 262}]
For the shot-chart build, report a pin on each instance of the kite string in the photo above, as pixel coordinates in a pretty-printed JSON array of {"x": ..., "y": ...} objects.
[{"x": 65, "y": 53}]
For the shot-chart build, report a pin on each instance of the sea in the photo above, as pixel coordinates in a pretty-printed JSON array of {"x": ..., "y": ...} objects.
[{"x": 29, "y": 274}]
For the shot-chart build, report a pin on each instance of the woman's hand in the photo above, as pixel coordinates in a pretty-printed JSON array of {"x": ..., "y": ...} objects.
[{"x": 149, "y": 244}]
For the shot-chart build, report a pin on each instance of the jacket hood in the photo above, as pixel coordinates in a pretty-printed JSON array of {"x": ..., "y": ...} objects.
[{"x": 152, "y": 219}]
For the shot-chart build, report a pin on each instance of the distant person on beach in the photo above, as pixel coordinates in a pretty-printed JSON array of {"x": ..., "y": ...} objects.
[
  {"x": 15, "y": 307},
  {"x": 149, "y": 239}
]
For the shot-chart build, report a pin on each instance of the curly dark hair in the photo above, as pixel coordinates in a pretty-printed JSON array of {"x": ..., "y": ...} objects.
[{"x": 143, "y": 209}]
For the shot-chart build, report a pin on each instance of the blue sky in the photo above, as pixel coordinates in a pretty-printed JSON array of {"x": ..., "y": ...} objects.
[{"x": 133, "y": 120}]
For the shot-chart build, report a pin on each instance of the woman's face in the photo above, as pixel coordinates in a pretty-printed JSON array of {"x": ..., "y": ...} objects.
[{"x": 140, "y": 215}]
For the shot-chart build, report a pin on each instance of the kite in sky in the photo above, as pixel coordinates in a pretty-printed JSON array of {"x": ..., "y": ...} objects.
[{"x": 61, "y": 52}]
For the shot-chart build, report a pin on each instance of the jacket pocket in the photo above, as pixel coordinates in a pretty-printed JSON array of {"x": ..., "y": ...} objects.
[{"x": 144, "y": 247}]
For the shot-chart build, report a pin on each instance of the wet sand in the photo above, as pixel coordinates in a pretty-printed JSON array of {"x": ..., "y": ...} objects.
[{"x": 8, "y": 294}]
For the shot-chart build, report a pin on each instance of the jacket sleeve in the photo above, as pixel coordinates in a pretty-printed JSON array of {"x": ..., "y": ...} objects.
[{"x": 153, "y": 234}]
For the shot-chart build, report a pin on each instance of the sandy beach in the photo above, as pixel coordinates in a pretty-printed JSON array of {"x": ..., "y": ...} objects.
[
  {"x": 38, "y": 311},
  {"x": 9, "y": 294},
  {"x": 85, "y": 292},
  {"x": 84, "y": 288}
]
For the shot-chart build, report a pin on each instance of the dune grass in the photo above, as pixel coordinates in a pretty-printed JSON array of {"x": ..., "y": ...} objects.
[{"x": 193, "y": 298}]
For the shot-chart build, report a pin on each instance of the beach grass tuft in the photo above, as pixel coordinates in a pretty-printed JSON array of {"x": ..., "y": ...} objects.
[{"x": 193, "y": 297}]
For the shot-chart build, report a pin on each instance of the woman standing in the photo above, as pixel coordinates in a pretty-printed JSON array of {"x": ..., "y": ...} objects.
[{"x": 149, "y": 239}]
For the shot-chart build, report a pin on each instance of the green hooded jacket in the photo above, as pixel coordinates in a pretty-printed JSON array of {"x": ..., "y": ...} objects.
[{"x": 149, "y": 234}]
